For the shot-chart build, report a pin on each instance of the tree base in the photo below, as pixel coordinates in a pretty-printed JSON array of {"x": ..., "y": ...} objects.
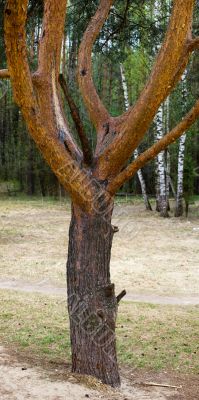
[{"x": 92, "y": 303}]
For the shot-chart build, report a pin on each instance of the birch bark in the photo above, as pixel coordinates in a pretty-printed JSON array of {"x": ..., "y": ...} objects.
[
  {"x": 161, "y": 170},
  {"x": 181, "y": 155},
  {"x": 136, "y": 154}
]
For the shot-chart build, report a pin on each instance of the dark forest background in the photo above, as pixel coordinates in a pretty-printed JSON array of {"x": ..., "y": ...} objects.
[{"x": 131, "y": 38}]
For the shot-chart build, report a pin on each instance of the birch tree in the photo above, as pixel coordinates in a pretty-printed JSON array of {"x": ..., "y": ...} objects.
[
  {"x": 160, "y": 174},
  {"x": 181, "y": 154},
  {"x": 136, "y": 154},
  {"x": 92, "y": 183}
]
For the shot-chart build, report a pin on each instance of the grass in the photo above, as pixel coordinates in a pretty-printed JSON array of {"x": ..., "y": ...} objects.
[
  {"x": 148, "y": 336},
  {"x": 37, "y": 201}
]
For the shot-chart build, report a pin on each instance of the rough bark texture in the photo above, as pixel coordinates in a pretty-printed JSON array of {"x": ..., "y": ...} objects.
[{"x": 92, "y": 303}]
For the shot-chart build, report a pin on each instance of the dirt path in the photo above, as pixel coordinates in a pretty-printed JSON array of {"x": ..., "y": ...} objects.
[
  {"x": 52, "y": 290},
  {"x": 150, "y": 255},
  {"x": 19, "y": 381}
]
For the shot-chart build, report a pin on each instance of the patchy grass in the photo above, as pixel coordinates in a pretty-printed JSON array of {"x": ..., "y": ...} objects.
[
  {"x": 149, "y": 337},
  {"x": 159, "y": 337}
]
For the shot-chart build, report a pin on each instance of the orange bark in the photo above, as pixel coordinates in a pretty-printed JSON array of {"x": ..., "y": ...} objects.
[
  {"x": 68, "y": 171},
  {"x": 97, "y": 111}
]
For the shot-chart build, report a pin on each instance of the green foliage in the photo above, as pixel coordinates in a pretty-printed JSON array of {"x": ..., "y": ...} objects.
[{"x": 131, "y": 36}]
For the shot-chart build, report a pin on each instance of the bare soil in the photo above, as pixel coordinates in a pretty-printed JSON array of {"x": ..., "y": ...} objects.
[
  {"x": 41, "y": 287},
  {"x": 22, "y": 379}
]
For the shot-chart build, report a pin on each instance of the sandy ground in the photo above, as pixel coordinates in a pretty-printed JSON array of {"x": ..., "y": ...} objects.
[{"x": 20, "y": 381}]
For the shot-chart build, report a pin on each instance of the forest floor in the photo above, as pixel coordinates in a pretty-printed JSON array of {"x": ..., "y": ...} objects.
[{"x": 156, "y": 260}]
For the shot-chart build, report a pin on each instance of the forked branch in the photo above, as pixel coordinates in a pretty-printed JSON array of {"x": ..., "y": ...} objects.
[
  {"x": 46, "y": 77},
  {"x": 51, "y": 37},
  {"x": 97, "y": 111},
  {"x": 194, "y": 43},
  {"x": 153, "y": 151},
  {"x": 77, "y": 120},
  {"x": 74, "y": 180}
]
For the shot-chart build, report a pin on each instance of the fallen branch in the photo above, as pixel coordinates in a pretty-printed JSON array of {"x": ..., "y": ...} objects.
[{"x": 160, "y": 385}]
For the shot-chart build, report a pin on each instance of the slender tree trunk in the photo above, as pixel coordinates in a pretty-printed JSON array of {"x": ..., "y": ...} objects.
[
  {"x": 30, "y": 173},
  {"x": 92, "y": 304},
  {"x": 181, "y": 156},
  {"x": 136, "y": 154},
  {"x": 161, "y": 191},
  {"x": 179, "y": 196},
  {"x": 168, "y": 178},
  {"x": 167, "y": 153},
  {"x": 161, "y": 183},
  {"x": 72, "y": 60},
  {"x": 143, "y": 185}
]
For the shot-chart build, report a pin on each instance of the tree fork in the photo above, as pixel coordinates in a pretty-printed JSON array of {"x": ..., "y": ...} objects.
[{"x": 77, "y": 120}]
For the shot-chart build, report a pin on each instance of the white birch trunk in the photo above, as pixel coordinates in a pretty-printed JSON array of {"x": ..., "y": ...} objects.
[
  {"x": 136, "y": 154},
  {"x": 161, "y": 171},
  {"x": 161, "y": 189},
  {"x": 167, "y": 153},
  {"x": 181, "y": 156}
]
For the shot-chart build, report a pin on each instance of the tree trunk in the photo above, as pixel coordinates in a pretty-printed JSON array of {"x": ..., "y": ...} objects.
[
  {"x": 161, "y": 194},
  {"x": 136, "y": 154},
  {"x": 92, "y": 303},
  {"x": 181, "y": 154},
  {"x": 179, "y": 197},
  {"x": 143, "y": 185}
]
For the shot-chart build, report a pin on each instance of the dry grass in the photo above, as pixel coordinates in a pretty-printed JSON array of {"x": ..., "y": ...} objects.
[{"x": 153, "y": 255}]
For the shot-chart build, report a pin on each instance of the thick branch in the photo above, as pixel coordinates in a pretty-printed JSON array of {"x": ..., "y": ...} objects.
[
  {"x": 52, "y": 35},
  {"x": 77, "y": 120},
  {"x": 170, "y": 62},
  {"x": 194, "y": 44},
  {"x": 69, "y": 174},
  {"x": 153, "y": 151},
  {"x": 46, "y": 78},
  {"x": 97, "y": 111},
  {"x": 4, "y": 74}
]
